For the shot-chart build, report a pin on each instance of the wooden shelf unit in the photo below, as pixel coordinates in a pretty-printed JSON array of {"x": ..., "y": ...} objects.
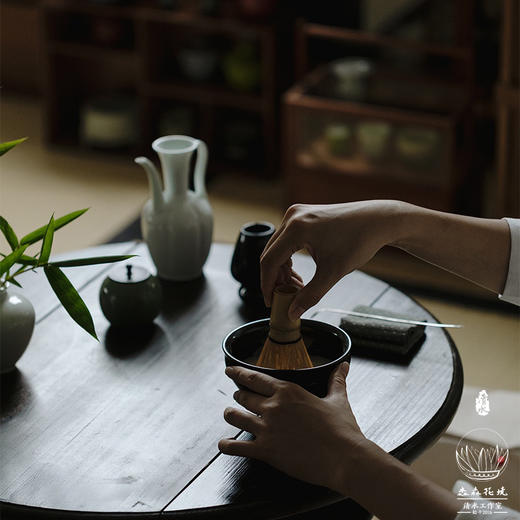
[
  {"x": 145, "y": 81},
  {"x": 314, "y": 175}
]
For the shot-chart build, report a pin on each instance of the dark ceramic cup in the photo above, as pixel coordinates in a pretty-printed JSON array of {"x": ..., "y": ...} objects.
[
  {"x": 327, "y": 345},
  {"x": 245, "y": 264}
]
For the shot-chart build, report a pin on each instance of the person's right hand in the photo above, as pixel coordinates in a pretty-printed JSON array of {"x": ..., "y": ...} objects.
[
  {"x": 314, "y": 439},
  {"x": 339, "y": 237}
]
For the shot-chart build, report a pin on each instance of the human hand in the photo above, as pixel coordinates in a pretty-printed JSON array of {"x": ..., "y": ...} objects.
[
  {"x": 315, "y": 440},
  {"x": 339, "y": 237},
  {"x": 319, "y": 441}
]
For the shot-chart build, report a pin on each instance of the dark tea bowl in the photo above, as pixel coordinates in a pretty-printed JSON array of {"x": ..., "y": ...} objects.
[{"x": 328, "y": 346}]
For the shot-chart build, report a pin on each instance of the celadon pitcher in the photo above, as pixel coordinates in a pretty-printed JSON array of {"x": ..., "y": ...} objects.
[{"x": 177, "y": 222}]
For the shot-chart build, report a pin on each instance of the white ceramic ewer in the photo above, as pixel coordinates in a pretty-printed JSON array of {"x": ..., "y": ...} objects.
[{"x": 177, "y": 222}]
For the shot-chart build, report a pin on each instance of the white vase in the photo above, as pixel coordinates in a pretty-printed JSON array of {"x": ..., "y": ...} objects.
[
  {"x": 177, "y": 223},
  {"x": 16, "y": 327}
]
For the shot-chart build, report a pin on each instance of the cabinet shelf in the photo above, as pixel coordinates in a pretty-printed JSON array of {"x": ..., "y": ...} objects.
[
  {"x": 65, "y": 142},
  {"x": 367, "y": 38},
  {"x": 89, "y": 51},
  {"x": 88, "y": 8},
  {"x": 217, "y": 24},
  {"x": 217, "y": 96},
  {"x": 316, "y": 90},
  {"x": 296, "y": 96}
]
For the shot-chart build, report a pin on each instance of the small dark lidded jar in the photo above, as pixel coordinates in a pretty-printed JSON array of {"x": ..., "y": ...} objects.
[
  {"x": 245, "y": 264},
  {"x": 130, "y": 297},
  {"x": 328, "y": 347}
]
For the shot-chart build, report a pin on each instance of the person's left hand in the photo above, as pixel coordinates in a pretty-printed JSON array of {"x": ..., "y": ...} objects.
[{"x": 298, "y": 433}]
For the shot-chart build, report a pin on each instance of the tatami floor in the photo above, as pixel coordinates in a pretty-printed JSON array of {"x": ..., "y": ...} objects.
[{"x": 36, "y": 181}]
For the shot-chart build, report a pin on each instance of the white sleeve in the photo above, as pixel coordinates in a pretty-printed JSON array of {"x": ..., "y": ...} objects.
[{"x": 511, "y": 292}]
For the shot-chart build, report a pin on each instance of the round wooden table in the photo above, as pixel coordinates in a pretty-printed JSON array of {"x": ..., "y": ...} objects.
[{"x": 130, "y": 425}]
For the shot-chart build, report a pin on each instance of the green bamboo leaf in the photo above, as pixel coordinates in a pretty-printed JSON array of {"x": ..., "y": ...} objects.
[
  {"x": 27, "y": 260},
  {"x": 5, "y": 147},
  {"x": 91, "y": 261},
  {"x": 14, "y": 282},
  {"x": 11, "y": 259},
  {"x": 45, "y": 251},
  {"x": 9, "y": 234},
  {"x": 39, "y": 233},
  {"x": 70, "y": 299}
]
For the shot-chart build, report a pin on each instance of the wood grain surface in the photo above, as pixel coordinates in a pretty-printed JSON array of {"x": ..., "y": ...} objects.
[{"x": 130, "y": 425}]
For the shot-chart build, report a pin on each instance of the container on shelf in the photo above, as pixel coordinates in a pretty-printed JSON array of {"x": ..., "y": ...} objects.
[
  {"x": 374, "y": 139},
  {"x": 108, "y": 122},
  {"x": 417, "y": 147},
  {"x": 198, "y": 60},
  {"x": 351, "y": 78},
  {"x": 339, "y": 139},
  {"x": 241, "y": 67}
]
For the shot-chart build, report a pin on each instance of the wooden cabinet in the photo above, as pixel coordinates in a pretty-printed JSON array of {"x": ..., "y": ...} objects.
[
  {"x": 338, "y": 151},
  {"x": 361, "y": 127},
  {"x": 177, "y": 70}
]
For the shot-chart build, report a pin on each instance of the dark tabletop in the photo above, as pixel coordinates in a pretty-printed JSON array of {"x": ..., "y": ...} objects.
[{"x": 130, "y": 425}]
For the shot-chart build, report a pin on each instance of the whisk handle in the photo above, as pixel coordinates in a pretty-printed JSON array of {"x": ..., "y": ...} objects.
[{"x": 283, "y": 329}]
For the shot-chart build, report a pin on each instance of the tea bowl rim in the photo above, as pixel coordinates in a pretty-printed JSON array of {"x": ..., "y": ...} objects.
[{"x": 344, "y": 356}]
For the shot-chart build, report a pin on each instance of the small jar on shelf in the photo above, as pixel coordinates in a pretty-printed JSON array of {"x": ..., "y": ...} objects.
[{"x": 242, "y": 67}]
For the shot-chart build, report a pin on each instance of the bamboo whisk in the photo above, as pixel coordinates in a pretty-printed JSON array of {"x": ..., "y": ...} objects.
[{"x": 284, "y": 348}]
